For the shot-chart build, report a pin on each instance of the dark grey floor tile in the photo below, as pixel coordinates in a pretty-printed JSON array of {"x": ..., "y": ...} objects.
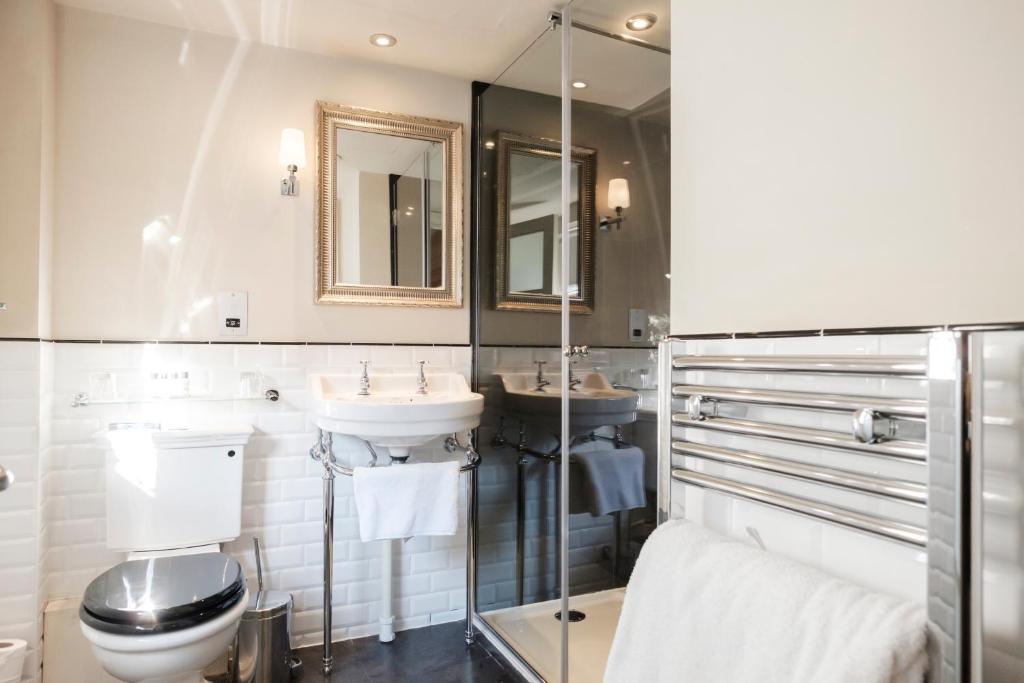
[{"x": 435, "y": 653}]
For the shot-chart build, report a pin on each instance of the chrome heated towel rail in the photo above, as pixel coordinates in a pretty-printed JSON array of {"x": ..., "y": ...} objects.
[{"x": 880, "y": 426}]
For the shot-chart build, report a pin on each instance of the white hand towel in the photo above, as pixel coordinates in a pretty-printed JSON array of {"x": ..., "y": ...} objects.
[
  {"x": 406, "y": 500},
  {"x": 704, "y": 608}
]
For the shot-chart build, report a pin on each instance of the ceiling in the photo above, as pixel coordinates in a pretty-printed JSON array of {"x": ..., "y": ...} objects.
[
  {"x": 617, "y": 74},
  {"x": 473, "y": 39}
]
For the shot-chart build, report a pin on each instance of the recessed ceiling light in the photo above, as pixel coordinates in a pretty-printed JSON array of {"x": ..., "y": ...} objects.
[
  {"x": 579, "y": 85},
  {"x": 489, "y": 144},
  {"x": 383, "y": 40},
  {"x": 641, "y": 22}
]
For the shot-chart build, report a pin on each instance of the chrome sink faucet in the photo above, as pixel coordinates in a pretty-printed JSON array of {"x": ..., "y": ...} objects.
[
  {"x": 421, "y": 380},
  {"x": 574, "y": 381},
  {"x": 364, "y": 381},
  {"x": 574, "y": 353},
  {"x": 541, "y": 382}
]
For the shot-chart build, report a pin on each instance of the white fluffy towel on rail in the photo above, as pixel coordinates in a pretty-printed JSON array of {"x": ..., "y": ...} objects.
[
  {"x": 402, "y": 501},
  {"x": 704, "y": 608}
]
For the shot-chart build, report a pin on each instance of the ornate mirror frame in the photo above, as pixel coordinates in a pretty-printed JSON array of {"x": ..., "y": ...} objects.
[
  {"x": 329, "y": 118},
  {"x": 509, "y": 143}
]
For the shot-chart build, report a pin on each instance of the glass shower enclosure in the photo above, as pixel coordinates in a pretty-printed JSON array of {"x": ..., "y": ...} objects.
[{"x": 570, "y": 242}]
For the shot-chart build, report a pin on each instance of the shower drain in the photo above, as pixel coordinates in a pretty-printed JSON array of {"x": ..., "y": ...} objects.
[{"x": 574, "y": 615}]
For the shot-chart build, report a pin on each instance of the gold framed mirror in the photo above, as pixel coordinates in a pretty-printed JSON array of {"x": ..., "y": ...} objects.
[
  {"x": 527, "y": 243},
  {"x": 388, "y": 208}
]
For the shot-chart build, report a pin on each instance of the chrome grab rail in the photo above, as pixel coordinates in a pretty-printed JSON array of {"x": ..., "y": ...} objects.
[
  {"x": 909, "y": 408},
  {"x": 898, "y": 366},
  {"x": 6, "y": 478},
  {"x": 806, "y": 436},
  {"x": 890, "y": 529},
  {"x": 895, "y": 489}
]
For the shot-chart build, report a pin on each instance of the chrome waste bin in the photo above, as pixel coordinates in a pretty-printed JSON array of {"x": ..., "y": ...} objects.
[{"x": 262, "y": 651}]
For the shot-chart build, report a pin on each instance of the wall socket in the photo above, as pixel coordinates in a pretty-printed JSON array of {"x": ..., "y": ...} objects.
[
  {"x": 233, "y": 314},
  {"x": 637, "y": 324}
]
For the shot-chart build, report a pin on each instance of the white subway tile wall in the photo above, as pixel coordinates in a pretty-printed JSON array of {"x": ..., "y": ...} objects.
[
  {"x": 26, "y": 372},
  {"x": 282, "y": 499},
  {"x": 874, "y": 562}
]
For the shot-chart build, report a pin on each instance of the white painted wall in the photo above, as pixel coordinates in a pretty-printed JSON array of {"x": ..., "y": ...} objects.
[
  {"x": 180, "y": 130},
  {"x": 26, "y": 147},
  {"x": 846, "y": 163}
]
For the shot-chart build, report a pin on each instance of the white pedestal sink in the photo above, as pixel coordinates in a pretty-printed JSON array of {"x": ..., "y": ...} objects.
[
  {"x": 394, "y": 416},
  {"x": 593, "y": 403}
]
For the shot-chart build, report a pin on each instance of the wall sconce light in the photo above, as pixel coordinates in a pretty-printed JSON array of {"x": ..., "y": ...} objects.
[
  {"x": 618, "y": 196},
  {"x": 292, "y": 156}
]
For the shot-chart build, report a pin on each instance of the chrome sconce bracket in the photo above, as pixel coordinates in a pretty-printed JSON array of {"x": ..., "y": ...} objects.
[
  {"x": 607, "y": 222},
  {"x": 290, "y": 185}
]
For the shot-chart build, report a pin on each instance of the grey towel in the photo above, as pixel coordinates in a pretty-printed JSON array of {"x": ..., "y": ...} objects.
[{"x": 604, "y": 480}]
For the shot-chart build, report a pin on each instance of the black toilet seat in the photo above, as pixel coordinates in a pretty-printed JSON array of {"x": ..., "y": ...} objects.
[{"x": 162, "y": 594}]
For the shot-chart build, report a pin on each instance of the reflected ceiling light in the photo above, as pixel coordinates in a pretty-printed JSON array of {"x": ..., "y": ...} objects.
[
  {"x": 489, "y": 144},
  {"x": 641, "y": 22},
  {"x": 579, "y": 85},
  {"x": 292, "y": 155},
  {"x": 383, "y": 40},
  {"x": 174, "y": 239}
]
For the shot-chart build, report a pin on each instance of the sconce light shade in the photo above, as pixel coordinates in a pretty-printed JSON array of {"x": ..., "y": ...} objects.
[
  {"x": 618, "y": 199},
  {"x": 293, "y": 148},
  {"x": 618, "y": 193}
]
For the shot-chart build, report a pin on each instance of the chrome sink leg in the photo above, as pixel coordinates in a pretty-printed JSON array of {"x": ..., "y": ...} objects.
[
  {"x": 520, "y": 513},
  {"x": 471, "y": 511},
  {"x": 321, "y": 452}
]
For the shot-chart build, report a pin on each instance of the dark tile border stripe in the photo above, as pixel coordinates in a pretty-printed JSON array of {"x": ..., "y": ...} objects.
[
  {"x": 847, "y": 331},
  {"x": 219, "y": 341},
  {"x": 555, "y": 346}
]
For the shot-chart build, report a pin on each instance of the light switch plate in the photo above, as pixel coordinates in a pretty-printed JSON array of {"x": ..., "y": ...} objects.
[
  {"x": 233, "y": 313},
  {"x": 637, "y": 324}
]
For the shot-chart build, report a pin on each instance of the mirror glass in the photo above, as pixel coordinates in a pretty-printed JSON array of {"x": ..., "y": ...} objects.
[
  {"x": 528, "y": 242},
  {"x": 390, "y": 210},
  {"x": 535, "y": 226}
]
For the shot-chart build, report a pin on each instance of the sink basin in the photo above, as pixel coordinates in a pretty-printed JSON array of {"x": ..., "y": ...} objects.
[
  {"x": 394, "y": 415},
  {"x": 593, "y": 403}
]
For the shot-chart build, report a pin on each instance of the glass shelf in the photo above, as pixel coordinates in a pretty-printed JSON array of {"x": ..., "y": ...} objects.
[{"x": 82, "y": 400}]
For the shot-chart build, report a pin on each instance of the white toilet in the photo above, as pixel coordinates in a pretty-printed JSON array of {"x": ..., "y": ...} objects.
[{"x": 172, "y": 497}]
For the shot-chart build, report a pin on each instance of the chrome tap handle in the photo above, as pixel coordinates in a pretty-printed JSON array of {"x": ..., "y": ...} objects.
[
  {"x": 573, "y": 351},
  {"x": 421, "y": 380},
  {"x": 574, "y": 381},
  {"x": 541, "y": 382},
  {"x": 364, "y": 380}
]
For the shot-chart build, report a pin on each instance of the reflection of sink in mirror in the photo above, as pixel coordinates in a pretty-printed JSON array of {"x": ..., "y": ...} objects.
[
  {"x": 394, "y": 415},
  {"x": 593, "y": 403}
]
